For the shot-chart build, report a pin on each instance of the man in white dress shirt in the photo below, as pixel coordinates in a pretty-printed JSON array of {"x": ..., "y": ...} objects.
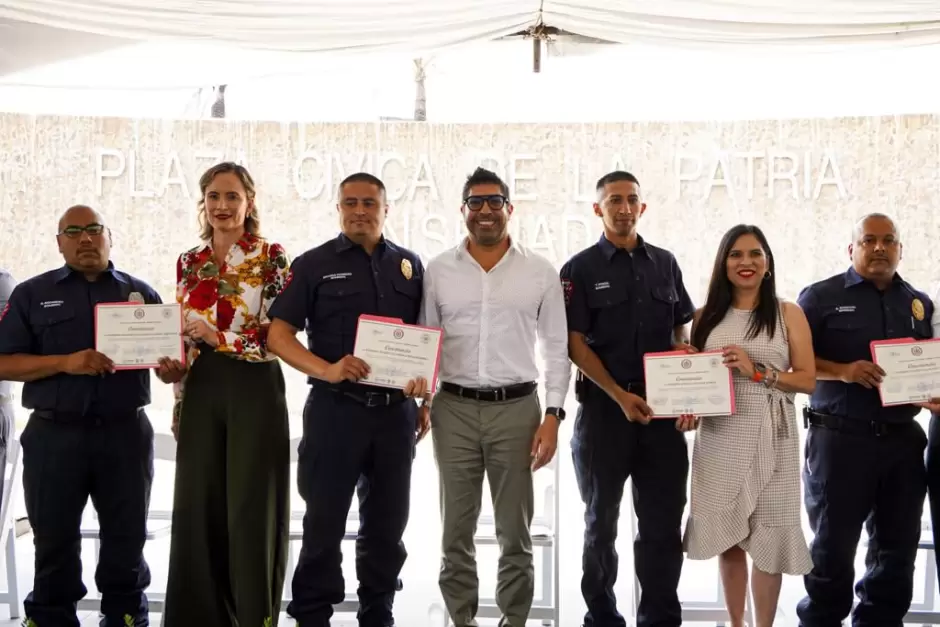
[{"x": 493, "y": 298}]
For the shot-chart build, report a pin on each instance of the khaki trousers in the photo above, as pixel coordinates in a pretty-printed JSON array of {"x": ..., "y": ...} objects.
[{"x": 472, "y": 438}]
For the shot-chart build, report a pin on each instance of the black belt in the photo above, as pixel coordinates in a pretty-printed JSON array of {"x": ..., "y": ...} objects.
[
  {"x": 853, "y": 427},
  {"x": 588, "y": 389},
  {"x": 369, "y": 398},
  {"x": 492, "y": 395},
  {"x": 77, "y": 417}
]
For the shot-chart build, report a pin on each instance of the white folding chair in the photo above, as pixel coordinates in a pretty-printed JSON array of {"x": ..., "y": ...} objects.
[
  {"x": 158, "y": 526},
  {"x": 351, "y": 604},
  {"x": 546, "y": 607},
  {"x": 11, "y": 481},
  {"x": 694, "y": 611}
]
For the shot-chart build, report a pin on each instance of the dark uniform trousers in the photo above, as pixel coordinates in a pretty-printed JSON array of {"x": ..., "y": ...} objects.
[
  {"x": 862, "y": 473},
  {"x": 933, "y": 482},
  {"x": 66, "y": 459},
  {"x": 607, "y": 450},
  {"x": 353, "y": 439}
]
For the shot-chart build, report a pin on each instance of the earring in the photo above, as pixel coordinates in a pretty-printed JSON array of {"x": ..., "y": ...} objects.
[{"x": 767, "y": 275}]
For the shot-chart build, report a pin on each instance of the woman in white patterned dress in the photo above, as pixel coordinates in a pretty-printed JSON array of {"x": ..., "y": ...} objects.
[{"x": 746, "y": 467}]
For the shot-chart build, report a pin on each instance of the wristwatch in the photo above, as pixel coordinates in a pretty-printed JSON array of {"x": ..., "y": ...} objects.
[{"x": 557, "y": 412}]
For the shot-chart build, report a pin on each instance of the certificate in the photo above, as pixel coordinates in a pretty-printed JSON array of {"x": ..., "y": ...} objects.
[
  {"x": 679, "y": 383},
  {"x": 396, "y": 352},
  {"x": 912, "y": 370},
  {"x": 137, "y": 336}
]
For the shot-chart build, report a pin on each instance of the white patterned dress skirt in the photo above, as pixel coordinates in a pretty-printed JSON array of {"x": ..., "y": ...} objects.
[{"x": 746, "y": 467}]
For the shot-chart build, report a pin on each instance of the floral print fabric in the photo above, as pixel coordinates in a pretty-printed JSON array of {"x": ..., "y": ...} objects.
[{"x": 233, "y": 298}]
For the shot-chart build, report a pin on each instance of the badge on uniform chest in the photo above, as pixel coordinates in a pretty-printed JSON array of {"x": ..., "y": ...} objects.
[
  {"x": 406, "y": 270},
  {"x": 917, "y": 308}
]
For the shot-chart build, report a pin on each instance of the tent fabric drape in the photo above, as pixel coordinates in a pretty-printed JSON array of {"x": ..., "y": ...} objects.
[{"x": 317, "y": 26}]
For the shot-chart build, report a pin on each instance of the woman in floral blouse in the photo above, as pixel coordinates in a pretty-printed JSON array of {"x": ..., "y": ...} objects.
[{"x": 231, "y": 503}]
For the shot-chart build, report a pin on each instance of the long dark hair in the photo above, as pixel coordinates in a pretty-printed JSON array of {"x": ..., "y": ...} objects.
[{"x": 721, "y": 291}]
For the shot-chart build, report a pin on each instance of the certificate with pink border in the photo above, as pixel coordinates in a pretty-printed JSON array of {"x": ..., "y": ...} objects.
[
  {"x": 912, "y": 370},
  {"x": 136, "y": 336},
  {"x": 680, "y": 383},
  {"x": 397, "y": 352}
]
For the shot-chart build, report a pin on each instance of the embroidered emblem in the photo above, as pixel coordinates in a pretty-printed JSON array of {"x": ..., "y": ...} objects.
[
  {"x": 917, "y": 308},
  {"x": 567, "y": 287},
  {"x": 136, "y": 297},
  {"x": 406, "y": 268},
  {"x": 3, "y": 313}
]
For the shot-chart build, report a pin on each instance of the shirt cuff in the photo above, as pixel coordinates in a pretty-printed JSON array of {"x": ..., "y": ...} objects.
[{"x": 555, "y": 399}]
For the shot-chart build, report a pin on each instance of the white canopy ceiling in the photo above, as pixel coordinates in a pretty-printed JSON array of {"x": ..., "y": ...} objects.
[{"x": 34, "y": 32}]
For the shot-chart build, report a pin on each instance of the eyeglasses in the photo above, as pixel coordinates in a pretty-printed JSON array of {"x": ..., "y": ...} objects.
[
  {"x": 495, "y": 202},
  {"x": 74, "y": 232}
]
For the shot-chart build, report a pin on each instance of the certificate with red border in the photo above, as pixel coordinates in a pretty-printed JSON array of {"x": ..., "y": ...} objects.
[
  {"x": 136, "y": 336},
  {"x": 397, "y": 352},
  {"x": 680, "y": 383},
  {"x": 912, "y": 370}
]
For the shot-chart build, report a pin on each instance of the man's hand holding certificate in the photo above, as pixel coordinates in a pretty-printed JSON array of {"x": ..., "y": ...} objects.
[
  {"x": 137, "y": 336},
  {"x": 681, "y": 384},
  {"x": 911, "y": 370},
  {"x": 397, "y": 353}
]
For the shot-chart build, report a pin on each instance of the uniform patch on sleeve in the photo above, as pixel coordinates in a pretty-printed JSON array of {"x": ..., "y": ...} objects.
[
  {"x": 567, "y": 287},
  {"x": 6, "y": 308}
]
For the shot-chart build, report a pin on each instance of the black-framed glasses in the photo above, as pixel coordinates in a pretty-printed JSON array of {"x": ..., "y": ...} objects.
[
  {"x": 494, "y": 201},
  {"x": 74, "y": 232}
]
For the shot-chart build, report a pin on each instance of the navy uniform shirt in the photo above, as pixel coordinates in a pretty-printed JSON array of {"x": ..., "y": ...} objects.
[
  {"x": 625, "y": 304},
  {"x": 333, "y": 284},
  {"x": 54, "y": 314},
  {"x": 846, "y": 313}
]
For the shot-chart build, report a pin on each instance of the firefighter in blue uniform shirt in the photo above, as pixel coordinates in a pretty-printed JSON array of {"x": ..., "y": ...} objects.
[
  {"x": 864, "y": 462},
  {"x": 625, "y": 298},
  {"x": 357, "y": 437},
  {"x": 87, "y": 434}
]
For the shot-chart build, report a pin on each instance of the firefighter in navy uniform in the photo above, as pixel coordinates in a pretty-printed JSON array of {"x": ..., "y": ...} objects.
[
  {"x": 87, "y": 434},
  {"x": 356, "y": 437},
  {"x": 864, "y": 462},
  {"x": 625, "y": 298}
]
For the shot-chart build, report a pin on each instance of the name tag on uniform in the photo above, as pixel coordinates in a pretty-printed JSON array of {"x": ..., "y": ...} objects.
[
  {"x": 336, "y": 276},
  {"x": 47, "y": 304},
  {"x": 603, "y": 285},
  {"x": 846, "y": 309}
]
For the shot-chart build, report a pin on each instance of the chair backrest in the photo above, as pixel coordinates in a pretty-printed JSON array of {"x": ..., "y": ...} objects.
[
  {"x": 294, "y": 446},
  {"x": 10, "y": 479},
  {"x": 164, "y": 447}
]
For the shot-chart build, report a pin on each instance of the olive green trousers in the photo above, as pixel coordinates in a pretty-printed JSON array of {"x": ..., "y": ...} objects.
[{"x": 231, "y": 506}]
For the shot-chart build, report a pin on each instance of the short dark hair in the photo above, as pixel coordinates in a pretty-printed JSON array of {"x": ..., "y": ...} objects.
[
  {"x": 482, "y": 176},
  {"x": 363, "y": 177},
  {"x": 614, "y": 177}
]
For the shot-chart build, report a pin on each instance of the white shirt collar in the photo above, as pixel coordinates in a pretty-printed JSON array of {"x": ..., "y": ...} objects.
[{"x": 460, "y": 251}]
